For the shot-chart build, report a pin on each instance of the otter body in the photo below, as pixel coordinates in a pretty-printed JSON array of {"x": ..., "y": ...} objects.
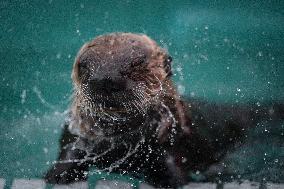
[{"x": 126, "y": 117}]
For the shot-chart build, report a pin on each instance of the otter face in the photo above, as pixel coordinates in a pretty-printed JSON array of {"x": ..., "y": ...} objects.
[{"x": 120, "y": 75}]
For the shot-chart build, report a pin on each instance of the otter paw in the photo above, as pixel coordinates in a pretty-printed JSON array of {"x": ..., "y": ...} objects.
[{"x": 65, "y": 174}]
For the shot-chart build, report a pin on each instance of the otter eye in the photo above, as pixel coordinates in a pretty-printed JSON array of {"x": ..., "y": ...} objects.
[{"x": 138, "y": 61}]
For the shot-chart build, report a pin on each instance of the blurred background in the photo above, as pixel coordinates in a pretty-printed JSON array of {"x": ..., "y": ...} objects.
[{"x": 223, "y": 52}]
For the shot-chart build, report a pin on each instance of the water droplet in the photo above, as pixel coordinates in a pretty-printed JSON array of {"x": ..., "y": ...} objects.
[
  {"x": 259, "y": 53},
  {"x": 58, "y": 56}
]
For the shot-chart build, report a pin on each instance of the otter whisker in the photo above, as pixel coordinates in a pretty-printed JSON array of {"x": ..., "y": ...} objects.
[{"x": 87, "y": 157}]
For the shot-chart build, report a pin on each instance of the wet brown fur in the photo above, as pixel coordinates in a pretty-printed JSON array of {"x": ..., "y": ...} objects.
[{"x": 163, "y": 150}]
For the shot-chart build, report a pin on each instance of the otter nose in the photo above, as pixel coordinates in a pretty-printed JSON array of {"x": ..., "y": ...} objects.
[{"x": 108, "y": 85}]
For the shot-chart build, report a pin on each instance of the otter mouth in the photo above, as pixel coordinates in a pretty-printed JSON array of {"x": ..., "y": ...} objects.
[
  {"x": 113, "y": 110},
  {"x": 116, "y": 110},
  {"x": 119, "y": 104},
  {"x": 116, "y": 113},
  {"x": 115, "y": 99},
  {"x": 122, "y": 106}
]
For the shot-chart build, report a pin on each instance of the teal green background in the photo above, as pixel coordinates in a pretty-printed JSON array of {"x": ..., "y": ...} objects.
[{"x": 223, "y": 51}]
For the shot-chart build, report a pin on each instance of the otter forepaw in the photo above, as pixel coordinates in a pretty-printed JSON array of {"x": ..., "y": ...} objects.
[{"x": 65, "y": 173}]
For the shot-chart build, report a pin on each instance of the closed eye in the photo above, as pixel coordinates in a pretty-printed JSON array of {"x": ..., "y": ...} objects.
[{"x": 138, "y": 61}]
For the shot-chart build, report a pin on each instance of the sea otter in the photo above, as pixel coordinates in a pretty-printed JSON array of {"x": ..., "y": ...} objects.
[{"x": 127, "y": 117}]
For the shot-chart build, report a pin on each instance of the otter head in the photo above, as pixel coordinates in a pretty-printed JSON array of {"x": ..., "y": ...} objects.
[{"x": 117, "y": 78}]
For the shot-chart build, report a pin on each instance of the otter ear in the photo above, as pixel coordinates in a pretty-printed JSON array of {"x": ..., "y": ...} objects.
[{"x": 168, "y": 66}]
